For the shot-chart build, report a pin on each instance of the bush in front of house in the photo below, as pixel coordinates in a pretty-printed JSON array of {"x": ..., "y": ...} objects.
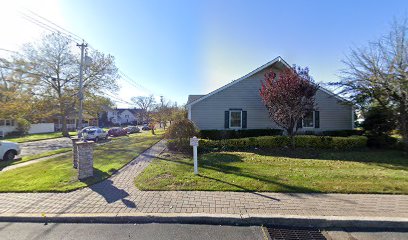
[
  {"x": 343, "y": 133},
  {"x": 317, "y": 142},
  {"x": 233, "y": 134},
  {"x": 379, "y": 122},
  {"x": 179, "y": 133},
  {"x": 179, "y": 146}
]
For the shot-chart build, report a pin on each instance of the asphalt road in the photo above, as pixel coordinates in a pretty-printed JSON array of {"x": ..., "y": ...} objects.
[
  {"x": 34, "y": 231},
  {"x": 154, "y": 231}
]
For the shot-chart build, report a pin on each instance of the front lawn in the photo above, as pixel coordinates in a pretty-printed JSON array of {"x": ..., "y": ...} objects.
[
  {"x": 36, "y": 137},
  {"x": 58, "y": 175},
  {"x": 281, "y": 171},
  {"x": 4, "y": 164}
]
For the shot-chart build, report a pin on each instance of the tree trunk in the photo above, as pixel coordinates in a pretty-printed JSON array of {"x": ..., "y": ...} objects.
[
  {"x": 64, "y": 120},
  {"x": 64, "y": 127},
  {"x": 291, "y": 138}
]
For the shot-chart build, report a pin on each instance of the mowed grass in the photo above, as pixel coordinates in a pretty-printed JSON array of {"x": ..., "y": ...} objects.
[
  {"x": 279, "y": 171},
  {"x": 36, "y": 137},
  {"x": 4, "y": 164},
  {"x": 58, "y": 175}
]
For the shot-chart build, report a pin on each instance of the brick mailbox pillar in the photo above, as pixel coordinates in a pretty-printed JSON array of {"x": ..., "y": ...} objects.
[
  {"x": 85, "y": 159},
  {"x": 75, "y": 152}
]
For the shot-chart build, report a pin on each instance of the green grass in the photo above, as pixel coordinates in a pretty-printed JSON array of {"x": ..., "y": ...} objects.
[
  {"x": 58, "y": 175},
  {"x": 4, "y": 164},
  {"x": 280, "y": 171},
  {"x": 36, "y": 137}
]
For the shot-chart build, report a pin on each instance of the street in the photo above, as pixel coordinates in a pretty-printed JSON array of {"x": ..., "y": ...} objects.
[
  {"x": 34, "y": 231},
  {"x": 155, "y": 231}
]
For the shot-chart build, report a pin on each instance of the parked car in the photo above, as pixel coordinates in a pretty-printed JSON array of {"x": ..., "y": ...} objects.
[
  {"x": 93, "y": 133},
  {"x": 145, "y": 127},
  {"x": 8, "y": 150},
  {"x": 132, "y": 129},
  {"x": 116, "y": 132}
]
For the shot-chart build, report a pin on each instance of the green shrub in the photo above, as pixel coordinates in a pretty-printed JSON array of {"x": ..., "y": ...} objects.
[
  {"x": 179, "y": 146},
  {"x": 181, "y": 129},
  {"x": 318, "y": 142},
  {"x": 381, "y": 141},
  {"x": 343, "y": 133},
  {"x": 233, "y": 134},
  {"x": 23, "y": 126},
  {"x": 379, "y": 120},
  {"x": 267, "y": 142}
]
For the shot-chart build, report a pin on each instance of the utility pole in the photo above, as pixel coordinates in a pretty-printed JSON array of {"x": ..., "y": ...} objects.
[{"x": 80, "y": 93}]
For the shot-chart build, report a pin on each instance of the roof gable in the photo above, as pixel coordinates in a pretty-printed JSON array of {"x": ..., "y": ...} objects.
[
  {"x": 274, "y": 61},
  {"x": 197, "y": 98}
]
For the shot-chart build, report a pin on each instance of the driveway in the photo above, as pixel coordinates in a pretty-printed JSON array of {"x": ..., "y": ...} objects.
[{"x": 37, "y": 147}]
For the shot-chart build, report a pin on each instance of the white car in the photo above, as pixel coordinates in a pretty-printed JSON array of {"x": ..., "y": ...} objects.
[
  {"x": 93, "y": 133},
  {"x": 8, "y": 150}
]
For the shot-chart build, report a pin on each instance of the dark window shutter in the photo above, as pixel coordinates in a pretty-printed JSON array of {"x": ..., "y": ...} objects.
[
  {"x": 226, "y": 119},
  {"x": 244, "y": 119},
  {"x": 317, "y": 119},
  {"x": 299, "y": 123}
]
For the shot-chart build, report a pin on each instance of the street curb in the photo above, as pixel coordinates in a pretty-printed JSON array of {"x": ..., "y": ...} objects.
[{"x": 216, "y": 219}]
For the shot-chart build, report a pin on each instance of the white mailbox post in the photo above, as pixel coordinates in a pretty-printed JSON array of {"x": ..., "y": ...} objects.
[{"x": 194, "y": 142}]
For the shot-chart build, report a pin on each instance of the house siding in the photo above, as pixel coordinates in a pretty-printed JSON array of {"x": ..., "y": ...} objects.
[{"x": 209, "y": 112}]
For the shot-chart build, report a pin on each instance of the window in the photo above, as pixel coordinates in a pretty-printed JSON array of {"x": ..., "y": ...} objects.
[
  {"x": 308, "y": 120},
  {"x": 126, "y": 116},
  {"x": 9, "y": 122},
  {"x": 2, "y": 122},
  {"x": 235, "y": 119}
]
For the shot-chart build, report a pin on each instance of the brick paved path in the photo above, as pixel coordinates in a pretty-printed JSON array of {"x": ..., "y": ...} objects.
[{"x": 118, "y": 195}]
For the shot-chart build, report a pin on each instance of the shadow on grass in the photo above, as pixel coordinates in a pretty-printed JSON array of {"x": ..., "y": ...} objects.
[
  {"x": 107, "y": 190},
  {"x": 391, "y": 159},
  {"x": 219, "y": 166},
  {"x": 4, "y": 164},
  {"x": 240, "y": 187}
]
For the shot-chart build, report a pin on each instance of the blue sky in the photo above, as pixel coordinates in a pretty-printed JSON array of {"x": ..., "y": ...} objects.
[{"x": 175, "y": 48}]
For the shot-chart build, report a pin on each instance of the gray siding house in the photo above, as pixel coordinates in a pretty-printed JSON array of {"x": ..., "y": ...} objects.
[{"x": 238, "y": 105}]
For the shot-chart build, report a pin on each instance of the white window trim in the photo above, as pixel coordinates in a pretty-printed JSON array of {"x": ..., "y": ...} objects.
[
  {"x": 230, "y": 111},
  {"x": 303, "y": 126}
]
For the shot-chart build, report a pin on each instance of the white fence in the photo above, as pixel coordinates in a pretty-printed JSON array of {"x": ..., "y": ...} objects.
[
  {"x": 41, "y": 128},
  {"x": 35, "y": 128}
]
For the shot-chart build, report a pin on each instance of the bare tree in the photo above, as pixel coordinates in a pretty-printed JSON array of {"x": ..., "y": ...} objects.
[
  {"x": 378, "y": 73},
  {"x": 146, "y": 104}
]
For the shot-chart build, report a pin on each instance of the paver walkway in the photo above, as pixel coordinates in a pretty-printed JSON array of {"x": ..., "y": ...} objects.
[{"x": 119, "y": 195}]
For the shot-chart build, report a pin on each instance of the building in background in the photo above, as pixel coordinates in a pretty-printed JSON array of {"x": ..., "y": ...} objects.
[{"x": 121, "y": 116}]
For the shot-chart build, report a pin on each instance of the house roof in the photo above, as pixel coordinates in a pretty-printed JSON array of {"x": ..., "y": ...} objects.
[
  {"x": 192, "y": 98},
  {"x": 132, "y": 110},
  {"x": 197, "y": 98}
]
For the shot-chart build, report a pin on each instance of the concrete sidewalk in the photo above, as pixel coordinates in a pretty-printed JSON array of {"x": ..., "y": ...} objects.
[{"x": 117, "y": 199}]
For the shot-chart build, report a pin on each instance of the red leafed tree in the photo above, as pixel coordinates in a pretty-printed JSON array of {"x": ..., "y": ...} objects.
[{"x": 289, "y": 96}]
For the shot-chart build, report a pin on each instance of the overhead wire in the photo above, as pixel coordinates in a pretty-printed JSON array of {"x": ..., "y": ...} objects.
[{"x": 55, "y": 28}]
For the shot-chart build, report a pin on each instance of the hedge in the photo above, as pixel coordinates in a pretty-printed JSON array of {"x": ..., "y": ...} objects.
[
  {"x": 343, "y": 133},
  {"x": 304, "y": 141},
  {"x": 233, "y": 134}
]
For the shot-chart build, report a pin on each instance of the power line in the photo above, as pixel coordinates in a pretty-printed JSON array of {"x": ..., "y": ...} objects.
[
  {"x": 39, "y": 21},
  {"x": 118, "y": 99},
  {"x": 63, "y": 29},
  {"x": 55, "y": 28}
]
